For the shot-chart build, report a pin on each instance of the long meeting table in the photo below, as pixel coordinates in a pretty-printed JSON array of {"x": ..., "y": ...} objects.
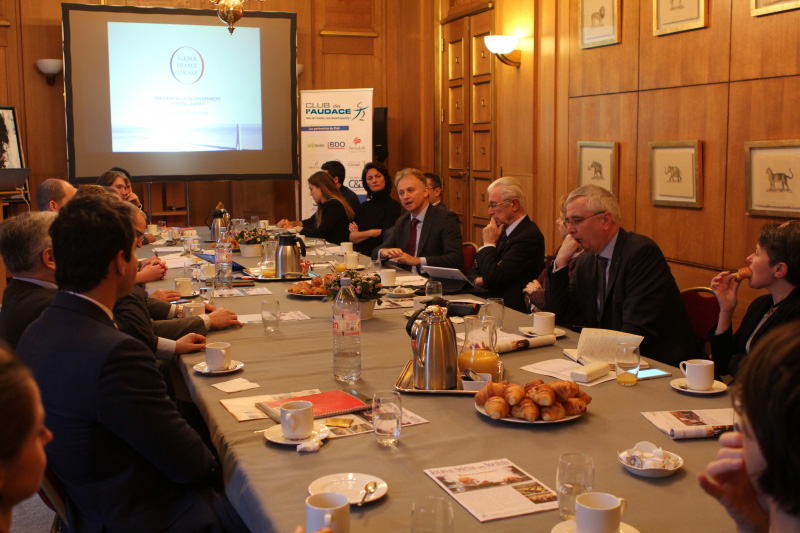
[{"x": 268, "y": 483}]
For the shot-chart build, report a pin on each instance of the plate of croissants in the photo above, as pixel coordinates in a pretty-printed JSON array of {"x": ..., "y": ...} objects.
[
  {"x": 305, "y": 289},
  {"x": 534, "y": 403}
]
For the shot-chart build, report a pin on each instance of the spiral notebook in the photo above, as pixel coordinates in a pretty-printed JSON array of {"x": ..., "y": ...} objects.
[{"x": 325, "y": 404}]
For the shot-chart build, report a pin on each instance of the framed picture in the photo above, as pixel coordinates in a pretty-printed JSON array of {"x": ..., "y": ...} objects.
[
  {"x": 597, "y": 164},
  {"x": 673, "y": 16},
  {"x": 769, "y": 178},
  {"x": 599, "y": 23},
  {"x": 765, "y": 7},
  {"x": 676, "y": 177},
  {"x": 10, "y": 147}
]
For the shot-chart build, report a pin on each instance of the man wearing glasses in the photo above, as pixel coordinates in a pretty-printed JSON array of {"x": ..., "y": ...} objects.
[
  {"x": 622, "y": 283},
  {"x": 435, "y": 189},
  {"x": 513, "y": 246}
]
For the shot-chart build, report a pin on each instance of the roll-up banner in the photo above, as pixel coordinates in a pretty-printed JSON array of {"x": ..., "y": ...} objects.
[{"x": 334, "y": 125}]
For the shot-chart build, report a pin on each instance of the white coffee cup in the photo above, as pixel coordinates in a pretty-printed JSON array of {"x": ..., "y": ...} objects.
[
  {"x": 152, "y": 229},
  {"x": 208, "y": 270},
  {"x": 699, "y": 373},
  {"x": 218, "y": 355},
  {"x": 351, "y": 260},
  {"x": 184, "y": 286},
  {"x": 346, "y": 247},
  {"x": 263, "y": 224},
  {"x": 328, "y": 509},
  {"x": 194, "y": 309},
  {"x": 544, "y": 323},
  {"x": 297, "y": 419},
  {"x": 598, "y": 512},
  {"x": 388, "y": 276},
  {"x": 191, "y": 232}
]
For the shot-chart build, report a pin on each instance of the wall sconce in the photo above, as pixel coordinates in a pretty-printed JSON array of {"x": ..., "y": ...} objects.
[
  {"x": 50, "y": 68},
  {"x": 504, "y": 47}
]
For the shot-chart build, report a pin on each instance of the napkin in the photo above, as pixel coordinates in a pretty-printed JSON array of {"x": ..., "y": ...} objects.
[
  {"x": 235, "y": 385},
  {"x": 647, "y": 455},
  {"x": 310, "y": 445}
]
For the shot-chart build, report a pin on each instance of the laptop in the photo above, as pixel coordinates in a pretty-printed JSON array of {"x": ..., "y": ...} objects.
[
  {"x": 12, "y": 179},
  {"x": 452, "y": 279},
  {"x": 210, "y": 258}
]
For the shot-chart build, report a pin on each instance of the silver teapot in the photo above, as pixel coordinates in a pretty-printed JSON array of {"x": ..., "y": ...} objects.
[
  {"x": 433, "y": 340},
  {"x": 287, "y": 255},
  {"x": 221, "y": 219}
]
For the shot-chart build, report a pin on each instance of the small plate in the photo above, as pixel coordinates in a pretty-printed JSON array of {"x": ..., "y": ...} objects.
[
  {"x": 653, "y": 472},
  {"x": 680, "y": 385},
  {"x": 568, "y": 526},
  {"x": 307, "y": 296},
  {"x": 528, "y": 332},
  {"x": 203, "y": 369},
  {"x": 407, "y": 293},
  {"x": 482, "y": 411},
  {"x": 195, "y": 294},
  {"x": 351, "y": 485},
  {"x": 275, "y": 434}
]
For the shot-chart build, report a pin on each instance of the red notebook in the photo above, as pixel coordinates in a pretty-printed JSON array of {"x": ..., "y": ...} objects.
[{"x": 330, "y": 403}]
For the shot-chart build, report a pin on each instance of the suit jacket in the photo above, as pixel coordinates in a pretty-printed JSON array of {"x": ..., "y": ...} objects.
[
  {"x": 641, "y": 298},
  {"x": 440, "y": 240},
  {"x": 729, "y": 350},
  {"x": 350, "y": 197},
  {"x": 508, "y": 268},
  {"x": 23, "y": 302},
  {"x": 158, "y": 309},
  {"x": 126, "y": 458}
]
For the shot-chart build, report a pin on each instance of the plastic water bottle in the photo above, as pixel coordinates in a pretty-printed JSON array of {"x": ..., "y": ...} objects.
[
  {"x": 346, "y": 334},
  {"x": 223, "y": 261}
]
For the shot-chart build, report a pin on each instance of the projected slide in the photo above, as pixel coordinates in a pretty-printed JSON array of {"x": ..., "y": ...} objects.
[{"x": 184, "y": 88}]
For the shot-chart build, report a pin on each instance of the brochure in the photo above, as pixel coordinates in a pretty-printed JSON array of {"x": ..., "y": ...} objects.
[
  {"x": 696, "y": 424},
  {"x": 600, "y": 345},
  {"x": 362, "y": 423}
]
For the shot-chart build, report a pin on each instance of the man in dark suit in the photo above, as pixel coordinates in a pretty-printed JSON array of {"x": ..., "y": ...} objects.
[
  {"x": 622, "y": 282},
  {"x": 126, "y": 458},
  {"x": 513, "y": 247},
  {"x": 337, "y": 171},
  {"x": 436, "y": 236},
  {"x": 435, "y": 189},
  {"x": 28, "y": 256}
]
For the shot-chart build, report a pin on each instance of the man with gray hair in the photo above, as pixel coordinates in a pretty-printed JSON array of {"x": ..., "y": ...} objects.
[
  {"x": 621, "y": 282},
  {"x": 28, "y": 255},
  {"x": 513, "y": 246},
  {"x": 53, "y": 193}
]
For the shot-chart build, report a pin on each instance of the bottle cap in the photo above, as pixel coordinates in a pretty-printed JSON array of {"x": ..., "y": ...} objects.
[{"x": 344, "y": 282}]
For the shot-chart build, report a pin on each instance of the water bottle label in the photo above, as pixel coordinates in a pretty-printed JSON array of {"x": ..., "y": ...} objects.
[
  {"x": 223, "y": 256},
  {"x": 346, "y": 326}
]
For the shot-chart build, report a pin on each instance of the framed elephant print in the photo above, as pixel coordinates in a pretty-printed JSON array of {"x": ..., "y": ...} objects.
[
  {"x": 673, "y": 16},
  {"x": 769, "y": 178},
  {"x": 597, "y": 164},
  {"x": 676, "y": 173},
  {"x": 599, "y": 23}
]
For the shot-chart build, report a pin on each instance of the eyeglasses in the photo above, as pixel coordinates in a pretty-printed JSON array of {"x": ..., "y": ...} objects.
[
  {"x": 577, "y": 221},
  {"x": 494, "y": 205}
]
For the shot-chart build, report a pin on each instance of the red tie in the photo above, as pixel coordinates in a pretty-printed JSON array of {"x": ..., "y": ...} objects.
[{"x": 411, "y": 244}]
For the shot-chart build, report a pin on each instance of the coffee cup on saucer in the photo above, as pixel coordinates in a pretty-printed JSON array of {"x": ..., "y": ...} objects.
[
  {"x": 699, "y": 373},
  {"x": 598, "y": 512},
  {"x": 544, "y": 323},
  {"x": 218, "y": 356},
  {"x": 184, "y": 286},
  {"x": 152, "y": 229},
  {"x": 388, "y": 277},
  {"x": 297, "y": 419},
  {"x": 194, "y": 309}
]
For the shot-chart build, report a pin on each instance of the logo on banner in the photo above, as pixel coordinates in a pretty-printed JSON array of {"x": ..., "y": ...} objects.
[
  {"x": 336, "y": 145},
  {"x": 356, "y": 141},
  {"x": 335, "y": 110},
  {"x": 360, "y": 112},
  {"x": 186, "y": 65}
]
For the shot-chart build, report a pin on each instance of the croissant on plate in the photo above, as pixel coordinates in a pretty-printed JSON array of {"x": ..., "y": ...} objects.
[
  {"x": 564, "y": 389},
  {"x": 582, "y": 395},
  {"x": 489, "y": 390},
  {"x": 574, "y": 406},
  {"x": 526, "y": 409},
  {"x": 533, "y": 383},
  {"x": 496, "y": 407},
  {"x": 513, "y": 394},
  {"x": 553, "y": 412},
  {"x": 542, "y": 395}
]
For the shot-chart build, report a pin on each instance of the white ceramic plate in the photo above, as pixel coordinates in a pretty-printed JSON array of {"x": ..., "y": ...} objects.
[
  {"x": 482, "y": 411},
  {"x": 275, "y": 434},
  {"x": 653, "y": 472},
  {"x": 568, "y": 526},
  {"x": 528, "y": 332},
  {"x": 203, "y": 369},
  {"x": 307, "y": 296},
  {"x": 351, "y": 485},
  {"x": 680, "y": 385},
  {"x": 407, "y": 293}
]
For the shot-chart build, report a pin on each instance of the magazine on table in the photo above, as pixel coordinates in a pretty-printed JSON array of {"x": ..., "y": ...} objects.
[
  {"x": 362, "y": 423},
  {"x": 696, "y": 424},
  {"x": 495, "y": 489}
]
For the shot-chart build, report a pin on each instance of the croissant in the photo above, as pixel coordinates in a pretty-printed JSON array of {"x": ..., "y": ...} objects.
[
  {"x": 553, "y": 412},
  {"x": 574, "y": 406},
  {"x": 319, "y": 291},
  {"x": 582, "y": 395},
  {"x": 542, "y": 395},
  {"x": 564, "y": 389},
  {"x": 532, "y": 383},
  {"x": 497, "y": 407},
  {"x": 743, "y": 273},
  {"x": 526, "y": 409},
  {"x": 513, "y": 394},
  {"x": 489, "y": 390}
]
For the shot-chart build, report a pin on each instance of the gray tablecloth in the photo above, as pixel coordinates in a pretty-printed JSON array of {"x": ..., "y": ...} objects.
[{"x": 268, "y": 483}]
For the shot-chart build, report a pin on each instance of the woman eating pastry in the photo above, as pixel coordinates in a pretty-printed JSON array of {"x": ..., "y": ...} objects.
[{"x": 377, "y": 214}]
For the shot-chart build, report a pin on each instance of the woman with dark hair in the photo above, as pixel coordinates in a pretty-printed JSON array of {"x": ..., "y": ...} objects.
[
  {"x": 333, "y": 214},
  {"x": 775, "y": 266},
  {"x": 756, "y": 471},
  {"x": 23, "y": 436},
  {"x": 119, "y": 179},
  {"x": 377, "y": 214}
]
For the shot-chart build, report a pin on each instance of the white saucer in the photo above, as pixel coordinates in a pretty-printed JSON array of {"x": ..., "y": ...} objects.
[
  {"x": 653, "y": 472},
  {"x": 568, "y": 526},
  {"x": 528, "y": 331},
  {"x": 203, "y": 369},
  {"x": 680, "y": 385},
  {"x": 351, "y": 485},
  {"x": 275, "y": 434}
]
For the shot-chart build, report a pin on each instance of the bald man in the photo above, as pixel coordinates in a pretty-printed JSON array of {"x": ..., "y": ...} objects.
[{"x": 53, "y": 193}]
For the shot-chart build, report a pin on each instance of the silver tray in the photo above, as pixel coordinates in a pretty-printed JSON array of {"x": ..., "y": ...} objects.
[{"x": 405, "y": 383}]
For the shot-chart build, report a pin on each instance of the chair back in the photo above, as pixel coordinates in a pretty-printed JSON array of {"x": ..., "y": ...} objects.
[
  {"x": 703, "y": 310},
  {"x": 470, "y": 250}
]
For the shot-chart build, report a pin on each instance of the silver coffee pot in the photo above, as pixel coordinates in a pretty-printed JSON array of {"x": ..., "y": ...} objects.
[
  {"x": 220, "y": 219},
  {"x": 287, "y": 255},
  {"x": 433, "y": 340}
]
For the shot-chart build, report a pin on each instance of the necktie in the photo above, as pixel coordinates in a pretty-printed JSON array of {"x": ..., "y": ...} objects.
[
  {"x": 411, "y": 244},
  {"x": 601, "y": 286},
  {"x": 502, "y": 240}
]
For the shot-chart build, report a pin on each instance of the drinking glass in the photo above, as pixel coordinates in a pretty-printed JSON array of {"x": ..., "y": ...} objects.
[
  {"x": 575, "y": 476},
  {"x": 432, "y": 514},
  {"x": 207, "y": 293},
  {"x": 271, "y": 314},
  {"x": 494, "y": 307},
  {"x": 162, "y": 229},
  {"x": 238, "y": 225},
  {"x": 626, "y": 363},
  {"x": 375, "y": 266},
  {"x": 387, "y": 415},
  {"x": 268, "y": 269},
  {"x": 433, "y": 289},
  {"x": 320, "y": 247},
  {"x": 339, "y": 262},
  {"x": 254, "y": 222}
]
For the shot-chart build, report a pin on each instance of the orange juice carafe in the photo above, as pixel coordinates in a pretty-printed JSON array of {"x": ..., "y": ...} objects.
[{"x": 478, "y": 352}]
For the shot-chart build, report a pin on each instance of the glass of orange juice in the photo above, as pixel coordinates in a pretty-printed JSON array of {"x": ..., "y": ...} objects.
[
  {"x": 339, "y": 262},
  {"x": 478, "y": 352},
  {"x": 626, "y": 364}
]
